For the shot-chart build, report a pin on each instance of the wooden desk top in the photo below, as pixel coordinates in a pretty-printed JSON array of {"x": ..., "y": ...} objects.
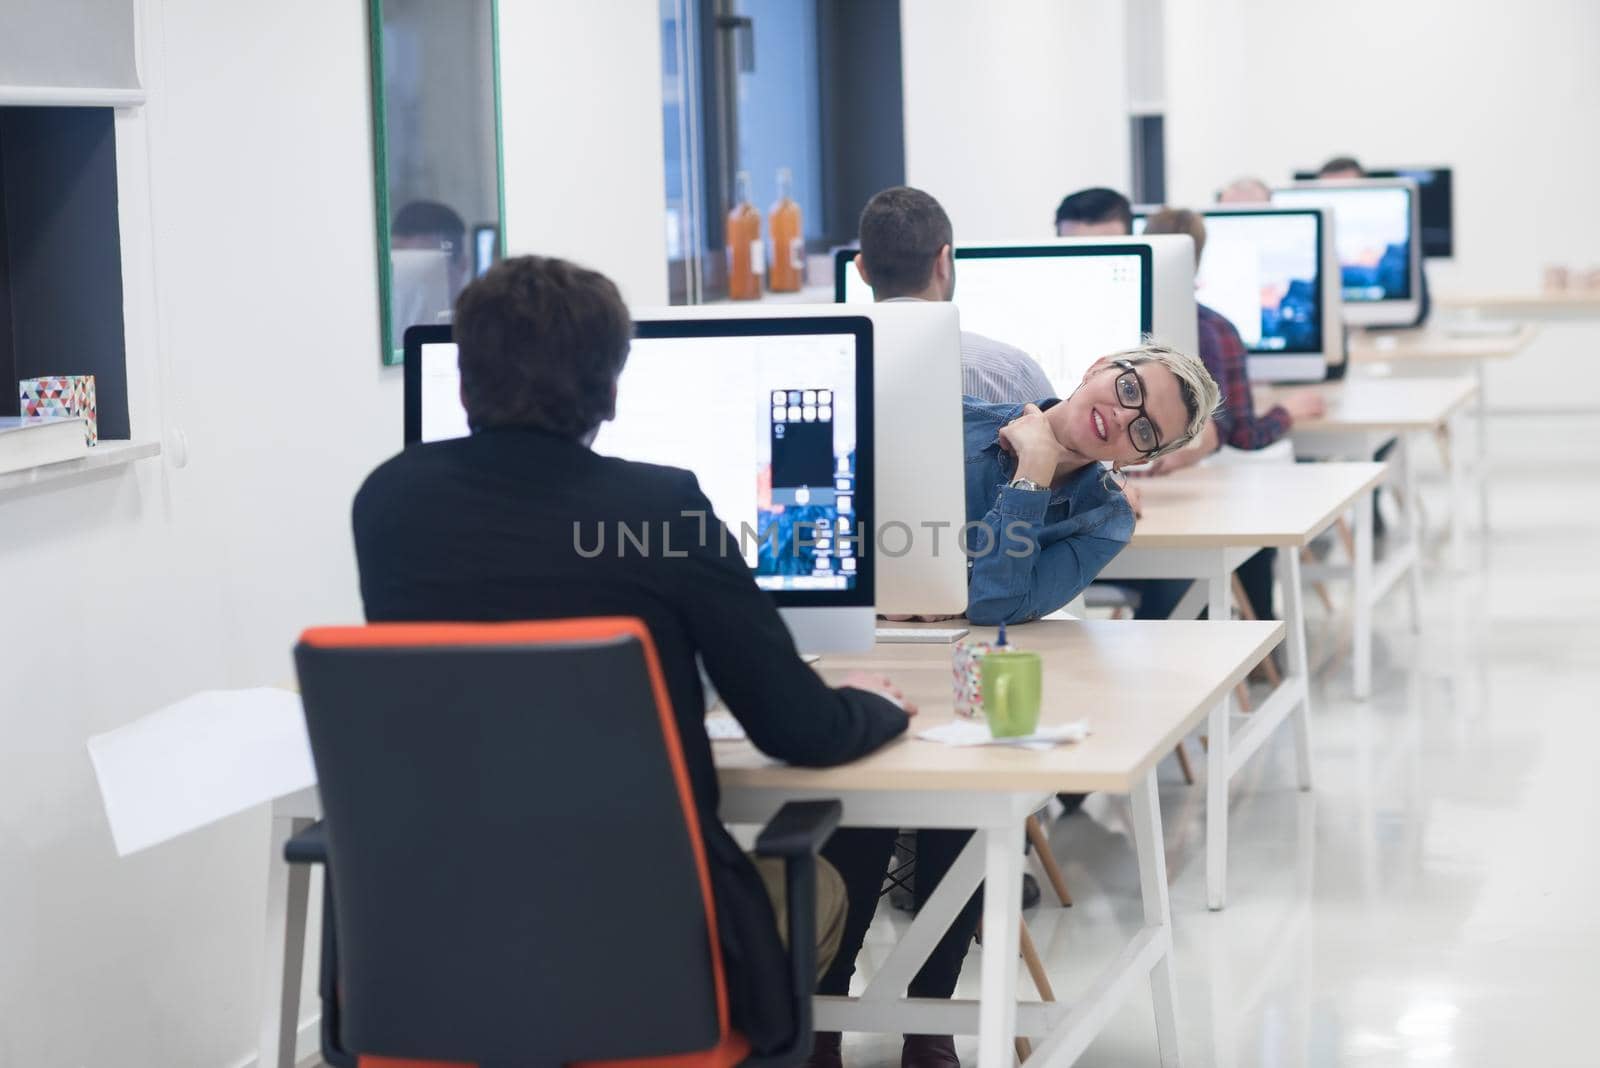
[
  {"x": 1141, "y": 685},
  {"x": 1247, "y": 505},
  {"x": 1438, "y": 345},
  {"x": 1570, "y": 301},
  {"x": 1383, "y": 404}
]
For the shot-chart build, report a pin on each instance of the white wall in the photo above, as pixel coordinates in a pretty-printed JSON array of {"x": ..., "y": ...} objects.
[
  {"x": 250, "y": 286},
  {"x": 1011, "y": 106},
  {"x": 1508, "y": 94},
  {"x": 249, "y": 254}
]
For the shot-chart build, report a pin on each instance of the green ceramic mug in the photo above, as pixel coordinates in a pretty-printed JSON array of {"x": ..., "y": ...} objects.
[{"x": 1013, "y": 688}]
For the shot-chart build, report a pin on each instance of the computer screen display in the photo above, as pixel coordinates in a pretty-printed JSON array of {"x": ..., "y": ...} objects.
[
  {"x": 1065, "y": 305},
  {"x": 1435, "y": 204},
  {"x": 766, "y": 413},
  {"x": 442, "y": 416},
  {"x": 1372, "y": 225},
  {"x": 1262, "y": 271}
]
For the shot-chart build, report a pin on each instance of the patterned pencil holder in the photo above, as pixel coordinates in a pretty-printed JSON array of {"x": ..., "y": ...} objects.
[{"x": 966, "y": 665}]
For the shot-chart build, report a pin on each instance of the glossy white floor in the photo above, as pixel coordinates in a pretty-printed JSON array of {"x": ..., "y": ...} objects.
[{"x": 1432, "y": 902}]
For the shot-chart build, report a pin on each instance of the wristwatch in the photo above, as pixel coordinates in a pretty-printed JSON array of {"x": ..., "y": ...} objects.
[{"x": 1024, "y": 484}]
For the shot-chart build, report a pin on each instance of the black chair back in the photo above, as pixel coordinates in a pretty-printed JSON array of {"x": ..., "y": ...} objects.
[{"x": 512, "y": 841}]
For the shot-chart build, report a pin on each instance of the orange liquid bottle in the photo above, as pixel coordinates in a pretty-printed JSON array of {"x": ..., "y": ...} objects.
[
  {"x": 788, "y": 252},
  {"x": 745, "y": 251}
]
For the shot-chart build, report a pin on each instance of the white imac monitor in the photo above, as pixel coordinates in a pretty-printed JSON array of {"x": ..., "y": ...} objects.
[
  {"x": 1380, "y": 255},
  {"x": 1069, "y": 301},
  {"x": 1272, "y": 272},
  {"x": 773, "y": 416},
  {"x": 920, "y": 495}
]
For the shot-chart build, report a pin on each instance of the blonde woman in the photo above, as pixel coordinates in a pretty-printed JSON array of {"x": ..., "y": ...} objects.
[
  {"x": 1044, "y": 517},
  {"x": 1041, "y": 497}
]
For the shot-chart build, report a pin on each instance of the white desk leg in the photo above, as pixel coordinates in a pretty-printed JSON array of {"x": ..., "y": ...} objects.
[
  {"x": 1407, "y": 462},
  {"x": 1217, "y": 760},
  {"x": 1299, "y": 675},
  {"x": 1153, "y": 887},
  {"x": 1361, "y": 649},
  {"x": 287, "y": 890},
  {"x": 1002, "y": 923},
  {"x": 1482, "y": 459},
  {"x": 1458, "y": 492}
]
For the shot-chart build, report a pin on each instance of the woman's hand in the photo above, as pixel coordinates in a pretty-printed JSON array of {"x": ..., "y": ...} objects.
[{"x": 1030, "y": 438}]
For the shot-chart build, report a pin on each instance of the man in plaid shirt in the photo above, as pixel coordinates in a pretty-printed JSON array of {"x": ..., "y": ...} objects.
[
  {"x": 1236, "y": 424},
  {"x": 1224, "y": 354}
]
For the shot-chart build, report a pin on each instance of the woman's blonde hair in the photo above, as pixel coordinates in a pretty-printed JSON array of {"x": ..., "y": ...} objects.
[{"x": 1201, "y": 397}]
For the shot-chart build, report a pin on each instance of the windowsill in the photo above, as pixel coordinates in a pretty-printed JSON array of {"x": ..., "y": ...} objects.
[{"x": 106, "y": 456}]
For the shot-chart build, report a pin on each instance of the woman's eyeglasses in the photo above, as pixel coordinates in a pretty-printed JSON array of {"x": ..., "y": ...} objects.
[{"x": 1131, "y": 395}]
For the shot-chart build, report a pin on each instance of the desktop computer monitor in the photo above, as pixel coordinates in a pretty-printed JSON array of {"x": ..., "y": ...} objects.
[
  {"x": 1435, "y": 187},
  {"x": 1271, "y": 271},
  {"x": 773, "y": 416},
  {"x": 1066, "y": 302},
  {"x": 920, "y": 499},
  {"x": 1375, "y": 229}
]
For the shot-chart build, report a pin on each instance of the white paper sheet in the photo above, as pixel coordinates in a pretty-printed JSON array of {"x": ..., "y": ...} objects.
[
  {"x": 965, "y": 732},
  {"x": 205, "y": 758}
]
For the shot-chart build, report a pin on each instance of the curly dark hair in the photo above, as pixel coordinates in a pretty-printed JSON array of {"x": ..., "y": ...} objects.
[{"x": 541, "y": 343}]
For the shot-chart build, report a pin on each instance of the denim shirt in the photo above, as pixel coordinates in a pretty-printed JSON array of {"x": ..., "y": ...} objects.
[{"x": 1044, "y": 546}]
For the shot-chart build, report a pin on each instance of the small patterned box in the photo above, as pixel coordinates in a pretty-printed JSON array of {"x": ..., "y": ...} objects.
[
  {"x": 62, "y": 395},
  {"x": 967, "y": 677}
]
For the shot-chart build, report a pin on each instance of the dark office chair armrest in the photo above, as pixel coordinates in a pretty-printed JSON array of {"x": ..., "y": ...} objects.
[
  {"x": 310, "y": 846},
  {"x": 799, "y": 828},
  {"x": 796, "y": 834}
]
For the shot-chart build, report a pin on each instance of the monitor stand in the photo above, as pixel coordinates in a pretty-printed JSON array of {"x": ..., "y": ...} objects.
[{"x": 831, "y": 630}]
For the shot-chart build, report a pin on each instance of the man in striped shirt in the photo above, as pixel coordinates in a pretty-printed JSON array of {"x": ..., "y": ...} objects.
[{"x": 907, "y": 254}]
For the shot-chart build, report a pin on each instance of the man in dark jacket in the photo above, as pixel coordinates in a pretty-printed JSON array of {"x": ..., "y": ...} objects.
[{"x": 487, "y": 527}]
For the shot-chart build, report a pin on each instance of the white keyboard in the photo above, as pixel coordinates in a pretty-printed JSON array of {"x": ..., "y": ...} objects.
[{"x": 922, "y": 635}]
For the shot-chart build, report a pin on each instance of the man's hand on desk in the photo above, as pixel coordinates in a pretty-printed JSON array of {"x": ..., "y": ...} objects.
[
  {"x": 1191, "y": 454},
  {"x": 921, "y": 619},
  {"x": 1304, "y": 404},
  {"x": 878, "y": 684}
]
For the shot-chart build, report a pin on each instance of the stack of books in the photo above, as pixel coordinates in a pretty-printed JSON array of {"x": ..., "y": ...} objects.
[{"x": 34, "y": 440}]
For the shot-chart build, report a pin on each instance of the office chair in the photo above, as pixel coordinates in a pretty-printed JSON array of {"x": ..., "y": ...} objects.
[{"x": 475, "y": 780}]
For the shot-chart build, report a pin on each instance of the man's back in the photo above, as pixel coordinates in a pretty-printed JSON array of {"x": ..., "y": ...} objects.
[
  {"x": 999, "y": 373},
  {"x": 517, "y": 524}
]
